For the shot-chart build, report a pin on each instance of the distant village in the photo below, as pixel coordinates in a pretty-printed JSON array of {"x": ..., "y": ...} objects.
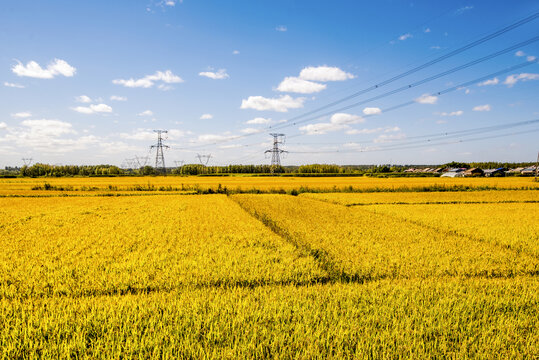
[{"x": 476, "y": 172}]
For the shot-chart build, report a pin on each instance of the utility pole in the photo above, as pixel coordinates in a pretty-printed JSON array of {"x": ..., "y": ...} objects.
[
  {"x": 275, "y": 151},
  {"x": 159, "y": 156},
  {"x": 202, "y": 157}
]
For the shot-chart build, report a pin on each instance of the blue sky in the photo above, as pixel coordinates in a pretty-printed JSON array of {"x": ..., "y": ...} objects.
[{"x": 87, "y": 82}]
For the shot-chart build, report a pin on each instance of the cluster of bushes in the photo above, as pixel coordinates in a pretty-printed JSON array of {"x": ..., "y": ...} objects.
[{"x": 37, "y": 170}]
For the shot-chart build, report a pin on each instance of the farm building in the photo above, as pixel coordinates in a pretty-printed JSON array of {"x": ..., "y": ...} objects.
[
  {"x": 457, "y": 172},
  {"x": 473, "y": 172},
  {"x": 494, "y": 172}
]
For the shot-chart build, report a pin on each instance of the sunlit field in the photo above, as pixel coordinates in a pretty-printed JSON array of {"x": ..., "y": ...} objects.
[
  {"x": 188, "y": 184},
  {"x": 370, "y": 272}
]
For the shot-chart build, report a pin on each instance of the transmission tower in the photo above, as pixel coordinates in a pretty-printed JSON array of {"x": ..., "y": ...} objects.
[
  {"x": 204, "y": 159},
  {"x": 275, "y": 151},
  {"x": 159, "y": 156},
  {"x": 27, "y": 161},
  {"x": 179, "y": 163}
]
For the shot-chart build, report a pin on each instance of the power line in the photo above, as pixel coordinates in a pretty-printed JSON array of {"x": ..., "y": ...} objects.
[
  {"x": 425, "y": 65},
  {"x": 429, "y": 142}
]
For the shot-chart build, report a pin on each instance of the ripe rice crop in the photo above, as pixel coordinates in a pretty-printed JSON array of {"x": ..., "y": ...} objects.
[
  {"x": 359, "y": 244},
  {"x": 92, "y": 246},
  {"x": 418, "y": 319},
  {"x": 511, "y": 225},
  {"x": 471, "y": 197},
  {"x": 256, "y": 184}
]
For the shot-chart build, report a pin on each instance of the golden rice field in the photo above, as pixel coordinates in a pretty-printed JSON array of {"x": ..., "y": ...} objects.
[{"x": 367, "y": 273}]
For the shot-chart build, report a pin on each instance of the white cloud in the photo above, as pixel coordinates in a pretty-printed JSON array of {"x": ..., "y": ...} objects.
[
  {"x": 405, "y": 36},
  {"x": 520, "y": 53},
  {"x": 3, "y": 125},
  {"x": 145, "y": 113},
  {"x": 34, "y": 70},
  {"x": 463, "y": 9},
  {"x": 513, "y": 79},
  {"x": 139, "y": 134},
  {"x": 218, "y": 75},
  {"x": 530, "y": 58},
  {"x": 324, "y": 73},
  {"x": 258, "y": 121},
  {"x": 482, "y": 108},
  {"x": 297, "y": 85},
  {"x": 235, "y": 52},
  {"x": 372, "y": 111},
  {"x": 250, "y": 131},
  {"x": 206, "y": 116},
  {"x": 83, "y": 99},
  {"x": 280, "y": 104},
  {"x": 494, "y": 81},
  {"x": 373, "y": 131},
  {"x": 436, "y": 47},
  {"x": 149, "y": 81},
  {"x": 213, "y": 138},
  {"x": 453, "y": 113},
  {"x": 21, "y": 115},
  {"x": 386, "y": 138},
  {"x": 427, "y": 99},
  {"x": 13, "y": 85},
  {"x": 281, "y": 28},
  {"x": 338, "y": 122},
  {"x": 93, "y": 109},
  {"x": 47, "y": 127},
  {"x": 427, "y": 30},
  {"x": 118, "y": 98}
]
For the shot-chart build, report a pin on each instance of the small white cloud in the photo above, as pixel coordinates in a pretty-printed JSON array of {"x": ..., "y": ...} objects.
[
  {"x": 427, "y": 99},
  {"x": 93, "y": 109},
  {"x": 452, "y": 113},
  {"x": 280, "y": 104},
  {"x": 436, "y": 47},
  {"x": 372, "y": 111},
  {"x": 3, "y": 126},
  {"x": 281, "y": 28},
  {"x": 297, "y": 85},
  {"x": 482, "y": 108},
  {"x": 149, "y": 81},
  {"x": 530, "y": 58},
  {"x": 21, "y": 115},
  {"x": 139, "y": 134},
  {"x": 494, "y": 81},
  {"x": 467, "y": 91},
  {"x": 338, "y": 122},
  {"x": 250, "y": 131},
  {"x": 219, "y": 75},
  {"x": 146, "y": 113},
  {"x": 405, "y": 36},
  {"x": 258, "y": 121},
  {"x": 13, "y": 85},
  {"x": 83, "y": 99},
  {"x": 511, "y": 80},
  {"x": 235, "y": 52},
  {"x": 427, "y": 30},
  {"x": 386, "y": 129},
  {"x": 386, "y": 138},
  {"x": 34, "y": 70},
  {"x": 48, "y": 127},
  {"x": 324, "y": 73},
  {"x": 463, "y": 9},
  {"x": 118, "y": 98},
  {"x": 206, "y": 116},
  {"x": 520, "y": 53}
]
